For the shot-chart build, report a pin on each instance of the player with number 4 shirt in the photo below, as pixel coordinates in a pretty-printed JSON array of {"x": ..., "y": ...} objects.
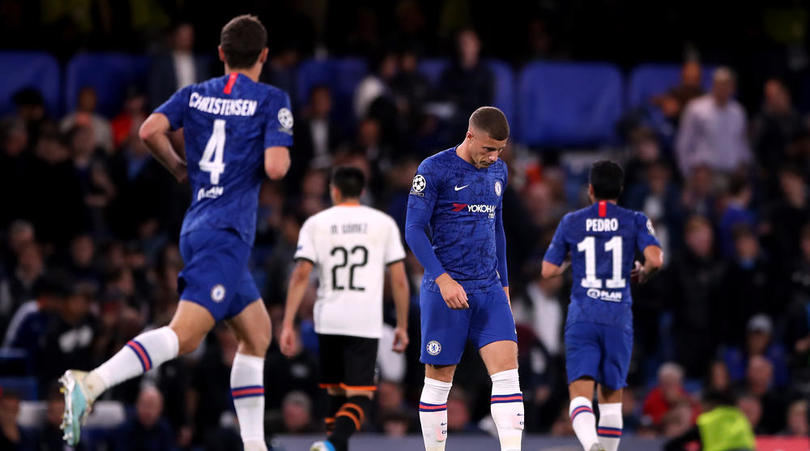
[
  {"x": 602, "y": 240},
  {"x": 237, "y": 132}
]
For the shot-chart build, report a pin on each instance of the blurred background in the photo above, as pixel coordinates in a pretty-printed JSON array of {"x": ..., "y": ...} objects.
[{"x": 705, "y": 104}]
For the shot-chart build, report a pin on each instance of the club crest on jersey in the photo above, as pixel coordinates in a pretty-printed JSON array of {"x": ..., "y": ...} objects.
[
  {"x": 285, "y": 118},
  {"x": 498, "y": 188},
  {"x": 218, "y": 293},
  {"x": 433, "y": 347},
  {"x": 602, "y": 295},
  {"x": 419, "y": 184}
]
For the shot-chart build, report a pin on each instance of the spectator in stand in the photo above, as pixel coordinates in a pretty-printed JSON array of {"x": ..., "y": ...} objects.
[
  {"x": 667, "y": 395},
  {"x": 90, "y": 166},
  {"x": 176, "y": 68},
  {"x": 468, "y": 83},
  {"x": 68, "y": 341},
  {"x": 81, "y": 263},
  {"x": 86, "y": 116},
  {"x": 30, "y": 267},
  {"x": 775, "y": 127},
  {"x": 316, "y": 136},
  {"x": 797, "y": 420},
  {"x": 210, "y": 400},
  {"x": 713, "y": 130},
  {"x": 125, "y": 125},
  {"x": 786, "y": 216},
  {"x": 759, "y": 383},
  {"x": 31, "y": 110},
  {"x": 287, "y": 374},
  {"x": 376, "y": 84},
  {"x": 32, "y": 319},
  {"x": 699, "y": 194},
  {"x": 147, "y": 429},
  {"x": 751, "y": 407},
  {"x": 12, "y": 436},
  {"x": 758, "y": 342},
  {"x": 296, "y": 414},
  {"x": 718, "y": 377},
  {"x": 411, "y": 91},
  {"x": 738, "y": 212},
  {"x": 673, "y": 102},
  {"x": 15, "y": 164},
  {"x": 542, "y": 310},
  {"x": 459, "y": 417},
  {"x": 281, "y": 70},
  {"x": 748, "y": 289},
  {"x": 657, "y": 196},
  {"x": 695, "y": 283}
]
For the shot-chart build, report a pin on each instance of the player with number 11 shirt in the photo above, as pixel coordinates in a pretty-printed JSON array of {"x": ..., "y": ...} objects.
[
  {"x": 237, "y": 132},
  {"x": 602, "y": 240}
]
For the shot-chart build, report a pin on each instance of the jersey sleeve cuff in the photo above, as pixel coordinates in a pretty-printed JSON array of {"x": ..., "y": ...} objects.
[
  {"x": 298, "y": 258},
  {"x": 395, "y": 261}
]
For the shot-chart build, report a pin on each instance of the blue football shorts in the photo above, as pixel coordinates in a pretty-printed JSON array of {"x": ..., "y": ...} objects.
[
  {"x": 598, "y": 351},
  {"x": 216, "y": 274},
  {"x": 445, "y": 331}
]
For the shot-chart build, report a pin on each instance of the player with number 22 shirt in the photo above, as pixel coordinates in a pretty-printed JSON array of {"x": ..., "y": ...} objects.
[
  {"x": 237, "y": 131},
  {"x": 602, "y": 240}
]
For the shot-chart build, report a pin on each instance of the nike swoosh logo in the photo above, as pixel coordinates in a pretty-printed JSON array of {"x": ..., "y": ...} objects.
[{"x": 459, "y": 188}]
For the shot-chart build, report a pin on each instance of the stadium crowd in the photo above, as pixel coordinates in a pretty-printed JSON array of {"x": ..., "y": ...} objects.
[{"x": 89, "y": 227}]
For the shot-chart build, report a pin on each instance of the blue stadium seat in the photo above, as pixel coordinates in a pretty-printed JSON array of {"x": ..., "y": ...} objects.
[
  {"x": 432, "y": 69},
  {"x": 341, "y": 75},
  {"x": 25, "y": 387},
  {"x": 568, "y": 104},
  {"x": 648, "y": 80},
  {"x": 30, "y": 69},
  {"x": 109, "y": 73}
]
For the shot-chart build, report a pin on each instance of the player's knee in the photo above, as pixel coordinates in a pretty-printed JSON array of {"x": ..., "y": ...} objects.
[
  {"x": 187, "y": 341},
  {"x": 255, "y": 344}
]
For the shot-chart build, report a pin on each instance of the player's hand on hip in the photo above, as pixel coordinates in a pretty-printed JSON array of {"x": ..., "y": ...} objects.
[
  {"x": 400, "y": 339},
  {"x": 287, "y": 341},
  {"x": 452, "y": 292}
]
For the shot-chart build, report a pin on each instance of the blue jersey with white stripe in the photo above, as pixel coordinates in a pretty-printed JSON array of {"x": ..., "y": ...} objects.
[
  {"x": 602, "y": 240},
  {"x": 227, "y": 124}
]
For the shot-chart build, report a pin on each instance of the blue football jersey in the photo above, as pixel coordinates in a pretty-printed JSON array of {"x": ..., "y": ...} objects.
[
  {"x": 602, "y": 240},
  {"x": 227, "y": 124},
  {"x": 464, "y": 203}
]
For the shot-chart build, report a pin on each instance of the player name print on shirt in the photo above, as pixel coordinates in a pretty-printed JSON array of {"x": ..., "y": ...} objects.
[{"x": 225, "y": 107}]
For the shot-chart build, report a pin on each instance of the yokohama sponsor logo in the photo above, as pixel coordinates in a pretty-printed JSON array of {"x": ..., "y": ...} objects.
[{"x": 474, "y": 208}]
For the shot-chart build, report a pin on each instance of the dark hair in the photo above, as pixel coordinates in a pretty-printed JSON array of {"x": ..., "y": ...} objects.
[
  {"x": 607, "y": 179},
  {"x": 242, "y": 40},
  {"x": 719, "y": 398},
  {"x": 348, "y": 180},
  {"x": 737, "y": 185},
  {"x": 54, "y": 283},
  {"x": 491, "y": 120}
]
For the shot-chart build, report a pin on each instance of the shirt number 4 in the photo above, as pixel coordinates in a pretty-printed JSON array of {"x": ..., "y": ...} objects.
[
  {"x": 614, "y": 246},
  {"x": 214, "y": 153}
]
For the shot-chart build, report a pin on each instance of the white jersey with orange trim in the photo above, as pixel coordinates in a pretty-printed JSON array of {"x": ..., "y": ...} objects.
[{"x": 350, "y": 246}]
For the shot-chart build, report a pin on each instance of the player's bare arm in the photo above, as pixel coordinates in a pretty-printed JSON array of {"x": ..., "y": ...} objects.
[
  {"x": 299, "y": 280},
  {"x": 401, "y": 292},
  {"x": 551, "y": 270},
  {"x": 276, "y": 162},
  {"x": 653, "y": 261},
  {"x": 155, "y": 134}
]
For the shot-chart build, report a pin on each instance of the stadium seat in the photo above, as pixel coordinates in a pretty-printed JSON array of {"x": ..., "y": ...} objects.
[
  {"x": 109, "y": 73},
  {"x": 24, "y": 387},
  {"x": 568, "y": 104},
  {"x": 341, "y": 75},
  {"x": 37, "y": 70},
  {"x": 432, "y": 69},
  {"x": 648, "y": 80}
]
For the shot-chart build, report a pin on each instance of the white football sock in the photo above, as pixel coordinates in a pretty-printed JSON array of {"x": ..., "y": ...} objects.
[
  {"x": 144, "y": 352},
  {"x": 433, "y": 413},
  {"x": 584, "y": 421},
  {"x": 507, "y": 408},
  {"x": 247, "y": 391},
  {"x": 610, "y": 425}
]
